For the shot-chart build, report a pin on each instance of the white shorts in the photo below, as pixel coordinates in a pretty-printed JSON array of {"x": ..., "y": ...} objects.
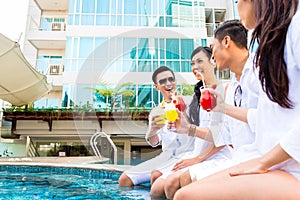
[
  {"x": 141, "y": 173},
  {"x": 221, "y": 156},
  {"x": 206, "y": 168}
]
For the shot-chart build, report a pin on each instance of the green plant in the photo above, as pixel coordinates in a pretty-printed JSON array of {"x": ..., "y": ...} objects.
[
  {"x": 187, "y": 89},
  {"x": 112, "y": 93}
]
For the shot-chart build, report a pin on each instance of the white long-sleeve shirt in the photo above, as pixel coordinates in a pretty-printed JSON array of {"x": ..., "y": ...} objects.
[
  {"x": 274, "y": 124},
  {"x": 241, "y": 133}
]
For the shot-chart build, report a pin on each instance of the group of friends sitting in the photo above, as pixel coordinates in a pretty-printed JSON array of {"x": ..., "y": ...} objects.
[{"x": 247, "y": 146}]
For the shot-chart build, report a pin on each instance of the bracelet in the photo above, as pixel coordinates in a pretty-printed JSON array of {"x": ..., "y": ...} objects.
[{"x": 192, "y": 130}]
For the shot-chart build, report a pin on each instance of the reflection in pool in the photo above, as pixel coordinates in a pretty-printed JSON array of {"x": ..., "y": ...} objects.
[{"x": 32, "y": 182}]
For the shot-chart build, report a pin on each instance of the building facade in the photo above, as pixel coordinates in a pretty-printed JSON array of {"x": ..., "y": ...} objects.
[{"x": 81, "y": 44}]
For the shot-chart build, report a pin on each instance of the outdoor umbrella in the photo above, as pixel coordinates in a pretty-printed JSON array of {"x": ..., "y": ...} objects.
[{"x": 20, "y": 83}]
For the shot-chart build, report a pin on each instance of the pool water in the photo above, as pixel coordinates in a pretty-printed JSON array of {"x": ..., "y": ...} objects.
[{"x": 28, "y": 182}]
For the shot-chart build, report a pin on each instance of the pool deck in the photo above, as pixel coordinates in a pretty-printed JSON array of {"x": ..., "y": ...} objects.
[{"x": 86, "y": 162}]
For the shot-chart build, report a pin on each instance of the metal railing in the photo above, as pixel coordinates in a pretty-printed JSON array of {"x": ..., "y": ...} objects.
[
  {"x": 95, "y": 146},
  {"x": 30, "y": 150}
]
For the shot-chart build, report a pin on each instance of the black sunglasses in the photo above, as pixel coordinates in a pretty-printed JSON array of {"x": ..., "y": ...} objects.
[
  {"x": 164, "y": 80},
  {"x": 238, "y": 96}
]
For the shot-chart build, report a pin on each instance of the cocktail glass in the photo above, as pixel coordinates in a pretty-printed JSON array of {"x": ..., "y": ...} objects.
[
  {"x": 171, "y": 115},
  {"x": 207, "y": 100}
]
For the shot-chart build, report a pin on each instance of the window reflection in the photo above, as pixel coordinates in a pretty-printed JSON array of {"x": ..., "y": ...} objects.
[{"x": 167, "y": 13}]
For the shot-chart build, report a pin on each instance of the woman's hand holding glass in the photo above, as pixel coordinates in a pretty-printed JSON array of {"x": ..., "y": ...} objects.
[
  {"x": 182, "y": 123},
  {"x": 219, "y": 102}
]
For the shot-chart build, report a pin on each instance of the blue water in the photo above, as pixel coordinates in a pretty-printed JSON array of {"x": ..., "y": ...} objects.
[{"x": 28, "y": 182}]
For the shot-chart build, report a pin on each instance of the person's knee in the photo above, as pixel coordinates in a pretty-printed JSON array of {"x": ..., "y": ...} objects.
[
  {"x": 171, "y": 182},
  {"x": 171, "y": 186},
  {"x": 154, "y": 175},
  {"x": 124, "y": 180},
  {"x": 157, "y": 189},
  {"x": 179, "y": 195},
  {"x": 185, "y": 179}
]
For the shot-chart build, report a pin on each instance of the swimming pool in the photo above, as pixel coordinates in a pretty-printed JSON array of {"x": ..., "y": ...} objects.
[{"x": 39, "y": 182}]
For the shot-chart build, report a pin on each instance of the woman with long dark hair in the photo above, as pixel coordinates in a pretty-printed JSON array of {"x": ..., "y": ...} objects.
[{"x": 275, "y": 172}]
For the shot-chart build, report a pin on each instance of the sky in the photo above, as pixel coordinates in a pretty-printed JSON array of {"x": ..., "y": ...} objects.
[{"x": 13, "y": 15}]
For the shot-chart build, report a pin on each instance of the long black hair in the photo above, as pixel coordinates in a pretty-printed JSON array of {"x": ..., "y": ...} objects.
[
  {"x": 194, "y": 107},
  {"x": 273, "y": 19}
]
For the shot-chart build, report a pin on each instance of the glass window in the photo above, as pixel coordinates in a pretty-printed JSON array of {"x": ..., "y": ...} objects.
[
  {"x": 143, "y": 49},
  {"x": 86, "y": 65},
  {"x": 129, "y": 48},
  {"x": 115, "y": 48},
  {"x": 130, "y": 7},
  {"x": 174, "y": 65},
  {"x": 88, "y": 6},
  {"x": 129, "y": 65},
  {"x": 87, "y": 19},
  {"x": 46, "y": 24},
  {"x": 59, "y": 19},
  {"x": 78, "y": 8},
  {"x": 103, "y": 6},
  {"x": 77, "y": 19},
  {"x": 143, "y": 20},
  {"x": 71, "y": 6},
  {"x": 172, "y": 48},
  {"x": 102, "y": 20},
  {"x": 162, "y": 51},
  {"x": 113, "y": 7},
  {"x": 70, "y": 19},
  {"x": 144, "y": 7},
  {"x": 187, "y": 47},
  {"x": 83, "y": 95},
  {"x": 42, "y": 65},
  {"x": 68, "y": 51},
  {"x": 130, "y": 101},
  {"x": 86, "y": 47},
  {"x": 157, "y": 96},
  {"x": 145, "y": 66},
  {"x": 41, "y": 103},
  {"x": 100, "y": 51},
  {"x": 67, "y": 65},
  {"x": 130, "y": 20},
  {"x": 144, "y": 95},
  {"x": 204, "y": 42},
  {"x": 161, "y": 21},
  {"x": 120, "y": 7},
  {"x": 46, "y": 103},
  {"x": 169, "y": 21},
  {"x": 100, "y": 66},
  {"x": 75, "y": 48},
  {"x": 186, "y": 66},
  {"x": 55, "y": 59},
  {"x": 119, "y": 20}
]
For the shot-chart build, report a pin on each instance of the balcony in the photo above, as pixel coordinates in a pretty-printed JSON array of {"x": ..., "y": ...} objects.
[{"x": 53, "y": 5}]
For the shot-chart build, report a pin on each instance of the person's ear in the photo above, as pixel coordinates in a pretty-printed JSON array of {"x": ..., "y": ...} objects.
[
  {"x": 226, "y": 41},
  {"x": 156, "y": 86}
]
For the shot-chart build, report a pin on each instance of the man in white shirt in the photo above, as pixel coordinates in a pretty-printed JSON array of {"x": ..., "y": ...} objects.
[{"x": 174, "y": 146}]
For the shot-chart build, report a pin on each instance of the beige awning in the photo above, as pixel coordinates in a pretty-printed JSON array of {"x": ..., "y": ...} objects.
[{"x": 20, "y": 83}]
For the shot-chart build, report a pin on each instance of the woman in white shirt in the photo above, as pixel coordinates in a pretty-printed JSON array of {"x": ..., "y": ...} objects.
[{"x": 275, "y": 172}]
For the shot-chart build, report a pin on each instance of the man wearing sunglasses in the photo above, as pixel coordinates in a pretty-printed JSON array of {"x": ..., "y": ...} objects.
[{"x": 174, "y": 146}]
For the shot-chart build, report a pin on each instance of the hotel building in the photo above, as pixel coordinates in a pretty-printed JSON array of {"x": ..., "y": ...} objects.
[{"x": 82, "y": 45}]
